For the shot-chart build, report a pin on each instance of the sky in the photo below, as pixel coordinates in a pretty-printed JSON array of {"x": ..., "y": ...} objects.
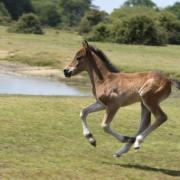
[{"x": 109, "y": 5}]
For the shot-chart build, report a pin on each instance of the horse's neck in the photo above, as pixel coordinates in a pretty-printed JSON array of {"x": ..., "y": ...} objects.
[
  {"x": 97, "y": 69},
  {"x": 97, "y": 72}
]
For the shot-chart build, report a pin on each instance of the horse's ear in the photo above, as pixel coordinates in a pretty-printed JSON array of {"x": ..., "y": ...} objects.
[{"x": 85, "y": 44}]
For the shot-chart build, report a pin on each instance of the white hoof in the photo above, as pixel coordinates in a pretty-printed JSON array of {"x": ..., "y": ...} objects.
[
  {"x": 137, "y": 146},
  {"x": 139, "y": 140}
]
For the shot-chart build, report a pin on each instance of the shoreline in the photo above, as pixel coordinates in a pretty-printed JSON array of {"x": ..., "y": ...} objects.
[
  {"x": 20, "y": 69},
  {"x": 25, "y": 70}
]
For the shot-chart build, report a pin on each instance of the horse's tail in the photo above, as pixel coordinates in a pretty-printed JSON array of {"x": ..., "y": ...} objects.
[{"x": 176, "y": 83}]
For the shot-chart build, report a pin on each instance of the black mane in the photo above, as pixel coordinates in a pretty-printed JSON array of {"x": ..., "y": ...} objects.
[{"x": 104, "y": 59}]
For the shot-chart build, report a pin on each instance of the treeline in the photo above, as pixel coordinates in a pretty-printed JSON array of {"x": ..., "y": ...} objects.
[
  {"x": 50, "y": 12},
  {"x": 136, "y": 22}
]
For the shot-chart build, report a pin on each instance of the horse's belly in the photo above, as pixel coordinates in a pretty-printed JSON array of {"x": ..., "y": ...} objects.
[{"x": 125, "y": 100}]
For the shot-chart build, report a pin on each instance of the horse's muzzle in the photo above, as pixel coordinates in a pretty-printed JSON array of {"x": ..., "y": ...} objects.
[{"x": 67, "y": 73}]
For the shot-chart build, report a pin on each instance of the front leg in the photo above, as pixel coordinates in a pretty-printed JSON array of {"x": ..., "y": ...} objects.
[{"x": 84, "y": 113}]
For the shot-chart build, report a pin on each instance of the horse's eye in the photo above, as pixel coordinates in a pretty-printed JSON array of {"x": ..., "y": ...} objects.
[{"x": 79, "y": 58}]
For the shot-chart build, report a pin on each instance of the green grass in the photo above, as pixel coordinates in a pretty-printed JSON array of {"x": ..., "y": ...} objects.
[
  {"x": 51, "y": 49},
  {"x": 41, "y": 138},
  {"x": 56, "y": 48}
]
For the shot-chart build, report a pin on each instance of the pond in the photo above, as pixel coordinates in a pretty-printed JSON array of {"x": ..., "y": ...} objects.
[{"x": 22, "y": 85}]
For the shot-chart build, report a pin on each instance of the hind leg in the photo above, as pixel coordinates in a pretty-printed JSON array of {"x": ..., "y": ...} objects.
[
  {"x": 144, "y": 124},
  {"x": 160, "y": 118}
]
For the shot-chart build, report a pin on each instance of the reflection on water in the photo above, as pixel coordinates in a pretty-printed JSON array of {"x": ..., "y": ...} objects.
[{"x": 13, "y": 84}]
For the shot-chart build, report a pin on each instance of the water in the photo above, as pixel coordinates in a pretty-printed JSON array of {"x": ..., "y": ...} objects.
[{"x": 22, "y": 85}]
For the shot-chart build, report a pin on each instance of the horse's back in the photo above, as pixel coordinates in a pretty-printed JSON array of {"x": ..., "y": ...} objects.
[{"x": 133, "y": 86}]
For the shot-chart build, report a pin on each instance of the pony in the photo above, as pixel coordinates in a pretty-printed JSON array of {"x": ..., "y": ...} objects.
[{"x": 113, "y": 89}]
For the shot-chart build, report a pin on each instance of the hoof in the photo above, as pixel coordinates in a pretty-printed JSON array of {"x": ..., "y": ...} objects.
[
  {"x": 116, "y": 155},
  {"x": 92, "y": 142},
  {"x": 136, "y": 145},
  {"x": 136, "y": 148},
  {"x": 138, "y": 141}
]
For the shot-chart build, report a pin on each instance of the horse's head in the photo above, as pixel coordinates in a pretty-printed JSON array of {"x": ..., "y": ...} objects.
[{"x": 79, "y": 62}]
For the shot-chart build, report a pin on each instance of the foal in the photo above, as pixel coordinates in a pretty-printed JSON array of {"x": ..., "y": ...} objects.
[{"x": 113, "y": 89}]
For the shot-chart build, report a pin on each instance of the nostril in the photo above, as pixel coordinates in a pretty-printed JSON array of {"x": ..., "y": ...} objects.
[{"x": 65, "y": 71}]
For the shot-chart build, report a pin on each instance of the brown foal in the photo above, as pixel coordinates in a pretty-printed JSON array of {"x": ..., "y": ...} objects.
[{"x": 113, "y": 89}]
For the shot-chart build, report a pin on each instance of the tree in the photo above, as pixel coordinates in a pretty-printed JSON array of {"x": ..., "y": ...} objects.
[
  {"x": 4, "y": 15},
  {"x": 175, "y": 9},
  {"x": 17, "y": 7},
  {"x": 73, "y": 11},
  {"x": 61, "y": 12},
  {"x": 128, "y": 12},
  {"x": 91, "y": 19},
  {"x": 49, "y": 13},
  {"x": 3, "y": 10},
  {"x": 132, "y": 3}
]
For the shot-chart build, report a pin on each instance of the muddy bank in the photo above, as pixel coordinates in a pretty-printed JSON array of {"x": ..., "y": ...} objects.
[{"x": 26, "y": 70}]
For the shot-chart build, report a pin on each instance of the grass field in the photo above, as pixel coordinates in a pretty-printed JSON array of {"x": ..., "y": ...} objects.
[
  {"x": 41, "y": 138},
  {"x": 56, "y": 48}
]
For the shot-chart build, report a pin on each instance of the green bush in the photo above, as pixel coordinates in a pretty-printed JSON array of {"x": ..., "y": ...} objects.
[
  {"x": 139, "y": 30},
  {"x": 101, "y": 32},
  {"x": 28, "y": 24},
  {"x": 4, "y": 20},
  {"x": 171, "y": 25}
]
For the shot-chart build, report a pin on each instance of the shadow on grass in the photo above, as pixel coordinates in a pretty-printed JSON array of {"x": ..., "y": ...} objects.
[{"x": 169, "y": 172}]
